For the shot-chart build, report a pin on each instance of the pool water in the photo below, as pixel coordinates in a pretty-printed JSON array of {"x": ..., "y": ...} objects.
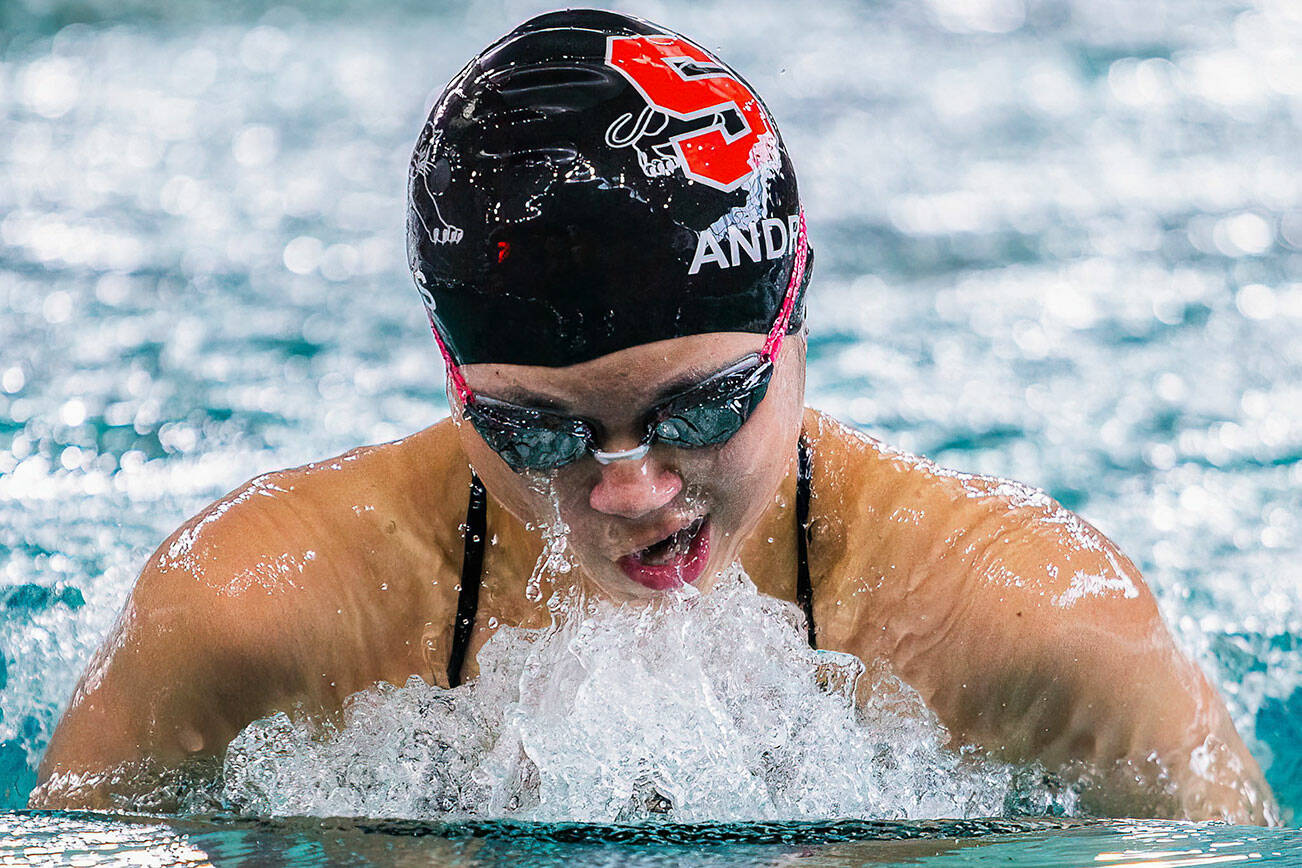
[
  {"x": 1058, "y": 241},
  {"x": 96, "y": 839}
]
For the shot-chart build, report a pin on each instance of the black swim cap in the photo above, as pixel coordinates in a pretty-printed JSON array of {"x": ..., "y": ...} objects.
[{"x": 590, "y": 182}]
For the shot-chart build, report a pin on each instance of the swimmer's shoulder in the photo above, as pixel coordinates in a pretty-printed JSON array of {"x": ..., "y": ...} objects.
[
  {"x": 360, "y": 511},
  {"x": 329, "y": 571},
  {"x": 907, "y": 533},
  {"x": 879, "y": 509}
]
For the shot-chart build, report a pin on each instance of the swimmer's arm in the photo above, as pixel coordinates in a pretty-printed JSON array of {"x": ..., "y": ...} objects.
[
  {"x": 1072, "y": 666},
  {"x": 176, "y": 680},
  {"x": 216, "y": 633},
  {"x": 291, "y": 593}
]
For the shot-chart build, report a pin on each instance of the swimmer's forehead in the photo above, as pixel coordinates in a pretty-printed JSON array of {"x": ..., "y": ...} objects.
[{"x": 640, "y": 373}]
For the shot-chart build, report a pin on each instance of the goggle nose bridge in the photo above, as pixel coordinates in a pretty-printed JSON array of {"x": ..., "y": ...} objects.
[{"x": 637, "y": 453}]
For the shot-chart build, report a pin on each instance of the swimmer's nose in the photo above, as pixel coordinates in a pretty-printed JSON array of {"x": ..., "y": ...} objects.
[{"x": 633, "y": 487}]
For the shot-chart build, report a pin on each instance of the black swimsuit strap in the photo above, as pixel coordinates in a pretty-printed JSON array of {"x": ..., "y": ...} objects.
[
  {"x": 472, "y": 567},
  {"x": 804, "y": 588},
  {"x": 476, "y": 530}
]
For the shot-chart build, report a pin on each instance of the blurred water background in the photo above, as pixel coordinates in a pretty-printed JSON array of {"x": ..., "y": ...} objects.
[{"x": 1058, "y": 240}]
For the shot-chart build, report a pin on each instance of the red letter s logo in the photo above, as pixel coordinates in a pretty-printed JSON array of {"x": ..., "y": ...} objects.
[{"x": 681, "y": 80}]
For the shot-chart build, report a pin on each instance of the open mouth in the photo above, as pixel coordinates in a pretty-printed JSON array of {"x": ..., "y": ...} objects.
[{"x": 678, "y": 559}]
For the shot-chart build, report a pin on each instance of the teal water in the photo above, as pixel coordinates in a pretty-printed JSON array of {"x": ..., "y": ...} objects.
[
  {"x": 1057, "y": 241},
  {"x": 97, "y": 840}
]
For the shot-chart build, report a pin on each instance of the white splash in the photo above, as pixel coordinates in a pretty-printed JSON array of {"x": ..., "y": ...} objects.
[
  {"x": 906, "y": 515},
  {"x": 701, "y": 708},
  {"x": 1085, "y": 584},
  {"x": 180, "y": 553},
  {"x": 271, "y": 575},
  {"x": 555, "y": 558}
]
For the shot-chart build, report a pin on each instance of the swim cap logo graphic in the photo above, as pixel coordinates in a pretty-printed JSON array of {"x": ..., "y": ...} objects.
[
  {"x": 434, "y": 175},
  {"x": 680, "y": 81}
]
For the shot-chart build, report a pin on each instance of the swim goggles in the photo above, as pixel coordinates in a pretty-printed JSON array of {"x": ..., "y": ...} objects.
[{"x": 705, "y": 414}]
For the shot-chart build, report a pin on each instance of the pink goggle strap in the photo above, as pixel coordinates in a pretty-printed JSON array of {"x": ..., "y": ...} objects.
[
  {"x": 455, "y": 377},
  {"x": 771, "y": 345},
  {"x": 779, "y": 330}
]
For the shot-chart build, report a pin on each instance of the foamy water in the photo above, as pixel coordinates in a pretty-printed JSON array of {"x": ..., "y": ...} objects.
[{"x": 703, "y": 708}]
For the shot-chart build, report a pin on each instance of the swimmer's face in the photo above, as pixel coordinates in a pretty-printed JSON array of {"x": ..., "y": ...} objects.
[{"x": 638, "y": 526}]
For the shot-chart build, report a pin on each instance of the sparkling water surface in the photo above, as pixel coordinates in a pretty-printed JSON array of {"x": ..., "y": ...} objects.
[{"x": 1057, "y": 241}]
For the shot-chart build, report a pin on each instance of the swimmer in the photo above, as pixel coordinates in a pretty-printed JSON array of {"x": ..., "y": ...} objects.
[{"x": 607, "y": 235}]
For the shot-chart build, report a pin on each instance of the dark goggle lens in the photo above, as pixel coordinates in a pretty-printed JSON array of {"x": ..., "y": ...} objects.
[
  {"x": 714, "y": 418},
  {"x": 708, "y": 424},
  {"x": 528, "y": 444}
]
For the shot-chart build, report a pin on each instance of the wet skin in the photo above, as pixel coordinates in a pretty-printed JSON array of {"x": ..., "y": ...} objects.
[{"x": 1026, "y": 631}]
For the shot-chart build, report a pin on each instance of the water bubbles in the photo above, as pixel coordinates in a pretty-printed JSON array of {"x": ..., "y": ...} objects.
[
  {"x": 180, "y": 195},
  {"x": 1229, "y": 77},
  {"x": 1071, "y": 306},
  {"x": 71, "y": 457},
  {"x": 706, "y": 707},
  {"x": 1255, "y": 301},
  {"x": 112, "y": 289},
  {"x": 1170, "y": 387},
  {"x": 339, "y": 262},
  {"x": 1244, "y": 234},
  {"x": 263, "y": 48},
  {"x": 50, "y": 86},
  {"x": 177, "y": 438},
  {"x": 979, "y": 16},
  {"x": 555, "y": 559},
  {"x": 255, "y": 145},
  {"x": 57, "y": 307},
  {"x": 1143, "y": 84},
  {"x": 303, "y": 254},
  {"x": 73, "y": 412},
  {"x": 13, "y": 379}
]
